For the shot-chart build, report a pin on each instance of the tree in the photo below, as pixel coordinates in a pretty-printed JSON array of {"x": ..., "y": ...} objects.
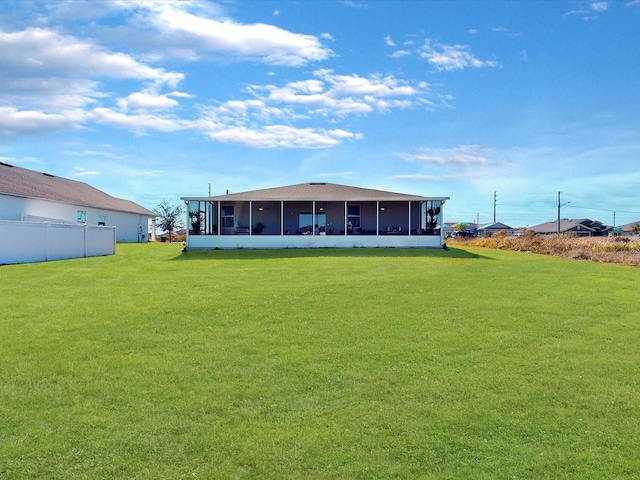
[
  {"x": 431, "y": 220},
  {"x": 169, "y": 217},
  {"x": 636, "y": 228}
]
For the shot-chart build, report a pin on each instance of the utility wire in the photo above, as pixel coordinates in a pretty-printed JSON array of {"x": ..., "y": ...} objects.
[{"x": 570, "y": 205}]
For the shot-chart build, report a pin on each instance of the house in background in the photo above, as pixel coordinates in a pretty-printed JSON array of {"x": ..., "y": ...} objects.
[
  {"x": 626, "y": 230},
  {"x": 312, "y": 215},
  {"x": 462, "y": 229},
  {"x": 583, "y": 228},
  {"x": 490, "y": 229},
  {"x": 27, "y": 195}
]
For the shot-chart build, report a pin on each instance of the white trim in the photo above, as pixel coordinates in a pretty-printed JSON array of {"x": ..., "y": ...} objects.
[{"x": 208, "y": 242}]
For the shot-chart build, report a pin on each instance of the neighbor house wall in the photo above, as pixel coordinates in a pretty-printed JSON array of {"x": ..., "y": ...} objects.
[{"x": 132, "y": 227}]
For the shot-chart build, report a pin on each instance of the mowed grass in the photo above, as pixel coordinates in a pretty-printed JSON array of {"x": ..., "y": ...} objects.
[{"x": 328, "y": 363}]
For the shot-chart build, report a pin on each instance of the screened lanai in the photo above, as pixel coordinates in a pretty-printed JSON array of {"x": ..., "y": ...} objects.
[{"x": 314, "y": 215}]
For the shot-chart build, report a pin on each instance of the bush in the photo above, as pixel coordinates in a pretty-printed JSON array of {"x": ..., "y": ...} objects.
[{"x": 623, "y": 250}]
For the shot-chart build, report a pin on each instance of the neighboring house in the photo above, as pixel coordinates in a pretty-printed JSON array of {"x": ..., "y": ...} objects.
[
  {"x": 463, "y": 229},
  {"x": 312, "y": 215},
  {"x": 493, "y": 228},
  {"x": 27, "y": 195},
  {"x": 178, "y": 234},
  {"x": 583, "y": 227},
  {"x": 627, "y": 229}
]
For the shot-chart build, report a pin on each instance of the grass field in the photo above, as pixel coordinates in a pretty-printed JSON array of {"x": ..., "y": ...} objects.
[{"x": 355, "y": 363}]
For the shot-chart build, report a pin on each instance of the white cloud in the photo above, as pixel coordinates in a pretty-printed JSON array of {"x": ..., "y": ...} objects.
[
  {"x": 590, "y": 12},
  {"x": 400, "y": 53},
  {"x": 139, "y": 124},
  {"x": 354, "y": 3},
  {"x": 15, "y": 123},
  {"x": 184, "y": 31},
  {"x": 37, "y": 52},
  {"x": 599, "y": 6},
  {"x": 507, "y": 32},
  {"x": 46, "y": 88},
  {"x": 389, "y": 41},
  {"x": 255, "y": 121},
  {"x": 463, "y": 155},
  {"x": 146, "y": 101},
  {"x": 83, "y": 172},
  {"x": 44, "y": 70},
  {"x": 452, "y": 57},
  {"x": 340, "y": 95},
  {"x": 281, "y": 136}
]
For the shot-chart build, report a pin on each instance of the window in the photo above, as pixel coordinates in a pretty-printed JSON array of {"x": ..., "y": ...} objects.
[
  {"x": 306, "y": 223},
  {"x": 81, "y": 216},
  {"x": 102, "y": 220},
  {"x": 202, "y": 218},
  {"x": 353, "y": 215},
  {"x": 196, "y": 218},
  {"x": 430, "y": 216},
  {"x": 227, "y": 216}
]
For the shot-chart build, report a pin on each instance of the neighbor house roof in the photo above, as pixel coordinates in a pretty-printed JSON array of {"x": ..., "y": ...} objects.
[
  {"x": 317, "y": 191},
  {"x": 494, "y": 226},
  {"x": 21, "y": 182},
  {"x": 583, "y": 224},
  {"x": 628, "y": 227}
]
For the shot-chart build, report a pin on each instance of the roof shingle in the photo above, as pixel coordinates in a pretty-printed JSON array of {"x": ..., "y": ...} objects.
[
  {"x": 316, "y": 191},
  {"x": 22, "y": 182}
]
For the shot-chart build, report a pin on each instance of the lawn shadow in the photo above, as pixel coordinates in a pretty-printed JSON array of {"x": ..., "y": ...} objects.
[{"x": 274, "y": 254}]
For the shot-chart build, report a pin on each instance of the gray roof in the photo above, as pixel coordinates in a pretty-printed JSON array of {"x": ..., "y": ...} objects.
[
  {"x": 628, "y": 227},
  {"x": 317, "y": 191},
  {"x": 584, "y": 224},
  {"x": 20, "y": 182},
  {"x": 495, "y": 226}
]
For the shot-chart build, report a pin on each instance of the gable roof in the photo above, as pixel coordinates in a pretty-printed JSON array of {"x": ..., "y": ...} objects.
[
  {"x": 494, "y": 226},
  {"x": 583, "y": 224},
  {"x": 21, "y": 182},
  {"x": 317, "y": 191},
  {"x": 628, "y": 227}
]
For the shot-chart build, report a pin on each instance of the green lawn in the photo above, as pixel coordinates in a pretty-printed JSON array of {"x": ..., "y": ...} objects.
[{"x": 354, "y": 363}]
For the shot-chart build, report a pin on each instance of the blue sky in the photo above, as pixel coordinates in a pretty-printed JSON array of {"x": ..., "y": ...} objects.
[{"x": 156, "y": 100}]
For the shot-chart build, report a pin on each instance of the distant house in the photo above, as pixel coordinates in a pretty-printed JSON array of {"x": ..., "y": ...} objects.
[
  {"x": 583, "y": 227},
  {"x": 27, "y": 195},
  {"x": 173, "y": 236},
  {"x": 627, "y": 229},
  {"x": 493, "y": 228},
  {"x": 453, "y": 229},
  {"x": 312, "y": 215}
]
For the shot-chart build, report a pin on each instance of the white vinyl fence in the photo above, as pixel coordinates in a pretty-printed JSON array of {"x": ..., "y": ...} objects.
[{"x": 26, "y": 242}]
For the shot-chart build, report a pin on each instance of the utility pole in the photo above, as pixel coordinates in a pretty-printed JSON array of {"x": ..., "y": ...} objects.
[
  {"x": 495, "y": 201},
  {"x": 560, "y": 205}
]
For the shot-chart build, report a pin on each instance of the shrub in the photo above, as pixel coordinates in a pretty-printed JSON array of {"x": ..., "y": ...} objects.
[{"x": 623, "y": 250}]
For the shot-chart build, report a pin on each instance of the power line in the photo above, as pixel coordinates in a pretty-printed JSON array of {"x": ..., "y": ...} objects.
[{"x": 603, "y": 209}]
